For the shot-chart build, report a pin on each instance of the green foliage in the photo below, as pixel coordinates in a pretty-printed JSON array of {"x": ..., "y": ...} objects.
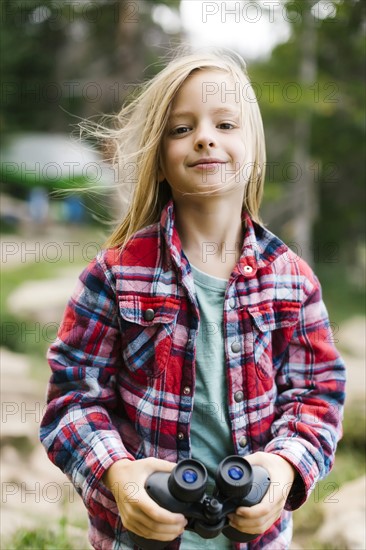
[
  {"x": 19, "y": 334},
  {"x": 340, "y": 134},
  {"x": 13, "y": 326},
  {"x": 42, "y": 539},
  {"x": 335, "y": 104},
  {"x": 354, "y": 434},
  {"x": 66, "y": 60},
  {"x": 341, "y": 303},
  {"x": 29, "y": 65}
]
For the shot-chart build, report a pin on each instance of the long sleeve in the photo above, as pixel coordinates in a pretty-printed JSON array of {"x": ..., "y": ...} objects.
[
  {"x": 79, "y": 426},
  {"x": 311, "y": 386}
]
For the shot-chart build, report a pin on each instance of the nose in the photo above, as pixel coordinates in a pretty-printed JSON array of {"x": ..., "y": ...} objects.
[{"x": 204, "y": 138}]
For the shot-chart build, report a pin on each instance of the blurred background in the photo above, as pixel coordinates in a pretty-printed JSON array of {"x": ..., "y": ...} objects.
[{"x": 63, "y": 61}]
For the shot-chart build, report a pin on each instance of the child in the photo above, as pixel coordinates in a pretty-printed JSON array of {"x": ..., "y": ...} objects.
[{"x": 196, "y": 332}]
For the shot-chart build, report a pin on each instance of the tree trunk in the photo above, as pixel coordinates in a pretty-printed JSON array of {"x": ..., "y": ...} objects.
[{"x": 305, "y": 192}]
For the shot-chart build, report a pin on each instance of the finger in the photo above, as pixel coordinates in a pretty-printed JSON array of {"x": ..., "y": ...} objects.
[
  {"x": 254, "y": 526},
  {"x": 160, "y": 465},
  {"x": 155, "y": 534},
  {"x": 143, "y": 526},
  {"x": 255, "y": 529},
  {"x": 157, "y": 514},
  {"x": 149, "y": 515},
  {"x": 259, "y": 510}
]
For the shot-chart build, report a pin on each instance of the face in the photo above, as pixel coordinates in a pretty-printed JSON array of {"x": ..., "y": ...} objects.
[{"x": 203, "y": 148}]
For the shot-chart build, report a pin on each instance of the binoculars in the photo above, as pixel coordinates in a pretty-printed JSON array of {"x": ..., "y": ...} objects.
[{"x": 183, "y": 491}]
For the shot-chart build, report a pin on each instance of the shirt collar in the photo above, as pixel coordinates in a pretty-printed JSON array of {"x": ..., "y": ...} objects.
[{"x": 260, "y": 246}]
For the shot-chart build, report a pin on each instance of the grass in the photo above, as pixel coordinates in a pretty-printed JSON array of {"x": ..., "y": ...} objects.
[
  {"x": 68, "y": 533},
  {"x": 41, "y": 539},
  {"x": 21, "y": 334},
  {"x": 342, "y": 298}
]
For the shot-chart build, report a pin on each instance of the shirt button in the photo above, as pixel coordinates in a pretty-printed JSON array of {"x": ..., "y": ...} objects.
[
  {"x": 149, "y": 315},
  {"x": 243, "y": 441},
  {"x": 239, "y": 396},
  {"x": 186, "y": 390},
  {"x": 232, "y": 303},
  {"x": 235, "y": 347},
  {"x": 180, "y": 436},
  {"x": 248, "y": 269}
]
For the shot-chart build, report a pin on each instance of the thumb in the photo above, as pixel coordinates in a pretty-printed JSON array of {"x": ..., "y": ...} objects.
[
  {"x": 159, "y": 465},
  {"x": 258, "y": 458}
]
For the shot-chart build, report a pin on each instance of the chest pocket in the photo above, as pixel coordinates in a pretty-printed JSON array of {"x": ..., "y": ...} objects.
[
  {"x": 148, "y": 323},
  {"x": 271, "y": 333}
]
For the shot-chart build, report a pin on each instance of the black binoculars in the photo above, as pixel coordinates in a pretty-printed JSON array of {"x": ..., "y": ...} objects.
[{"x": 183, "y": 491}]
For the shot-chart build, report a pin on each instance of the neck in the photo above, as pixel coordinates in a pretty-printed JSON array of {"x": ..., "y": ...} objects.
[{"x": 211, "y": 231}]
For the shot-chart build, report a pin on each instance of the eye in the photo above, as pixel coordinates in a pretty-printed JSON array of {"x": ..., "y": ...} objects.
[
  {"x": 226, "y": 125},
  {"x": 179, "y": 131}
]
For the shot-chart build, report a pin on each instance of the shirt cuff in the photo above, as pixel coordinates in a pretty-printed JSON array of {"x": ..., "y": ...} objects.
[
  {"x": 306, "y": 466},
  {"x": 105, "y": 448}
]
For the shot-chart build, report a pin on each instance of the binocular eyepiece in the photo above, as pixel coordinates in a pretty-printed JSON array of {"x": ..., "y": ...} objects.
[
  {"x": 188, "y": 481},
  {"x": 234, "y": 477}
]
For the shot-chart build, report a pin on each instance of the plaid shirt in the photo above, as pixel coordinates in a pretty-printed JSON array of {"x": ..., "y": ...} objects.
[{"x": 123, "y": 373}]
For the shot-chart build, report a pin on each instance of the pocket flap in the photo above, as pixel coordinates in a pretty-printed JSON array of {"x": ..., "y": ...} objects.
[
  {"x": 148, "y": 310},
  {"x": 268, "y": 317}
]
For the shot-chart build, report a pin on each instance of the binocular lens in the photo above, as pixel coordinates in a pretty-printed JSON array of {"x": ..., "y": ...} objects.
[
  {"x": 189, "y": 476},
  {"x": 235, "y": 473}
]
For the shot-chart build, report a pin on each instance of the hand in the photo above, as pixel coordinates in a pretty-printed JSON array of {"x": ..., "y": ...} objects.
[
  {"x": 257, "y": 519},
  {"x": 140, "y": 514}
]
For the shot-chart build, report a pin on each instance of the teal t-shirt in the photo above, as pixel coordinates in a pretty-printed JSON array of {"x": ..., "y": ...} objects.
[{"x": 210, "y": 425}]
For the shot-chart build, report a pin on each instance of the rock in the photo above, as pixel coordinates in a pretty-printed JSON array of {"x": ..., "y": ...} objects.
[
  {"x": 13, "y": 364},
  {"x": 344, "y": 518},
  {"x": 351, "y": 336},
  {"x": 295, "y": 545},
  {"x": 22, "y": 402},
  {"x": 350, "y": 339},
  {"x": 356, "y": 379},
  {"x": 43, "y": 301},
  {"x": 34, "y": 489}
]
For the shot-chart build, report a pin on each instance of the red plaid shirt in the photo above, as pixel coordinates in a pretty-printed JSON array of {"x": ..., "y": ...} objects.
[{"x": 123, "y": 380}]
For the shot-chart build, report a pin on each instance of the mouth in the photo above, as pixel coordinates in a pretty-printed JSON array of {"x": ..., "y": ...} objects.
[{"x": 207, "y": 163}]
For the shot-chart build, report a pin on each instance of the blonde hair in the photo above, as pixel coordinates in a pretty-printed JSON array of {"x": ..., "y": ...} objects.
[{"x": 140, "y": 128}]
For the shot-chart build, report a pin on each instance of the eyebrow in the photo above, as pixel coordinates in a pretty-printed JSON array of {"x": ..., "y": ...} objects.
[{"x": 217, "y": 111}]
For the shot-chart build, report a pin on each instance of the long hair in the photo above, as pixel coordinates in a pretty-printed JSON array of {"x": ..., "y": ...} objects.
[{"x": 140, "y": 127}]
